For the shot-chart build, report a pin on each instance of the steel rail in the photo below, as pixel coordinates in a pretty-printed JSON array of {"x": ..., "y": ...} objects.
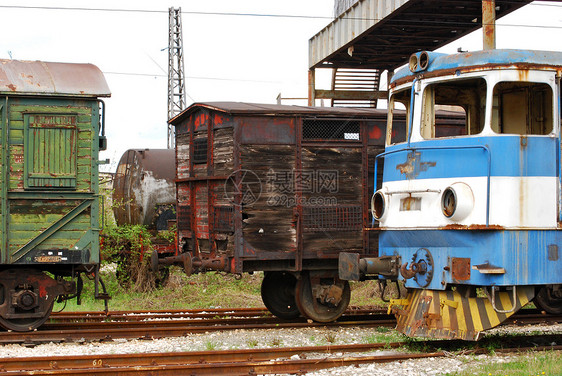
[
  {"x": 124, "y": 360},
  {"x": 222, "y": 322},
  {"x": 164, "y": 328},
  {"x": 227, "y": 362},
  {"x": 178, "y": 313}
]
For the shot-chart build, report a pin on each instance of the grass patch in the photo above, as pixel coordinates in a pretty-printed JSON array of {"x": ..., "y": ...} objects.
[
  {"x": 368, "y": 293},
  {"x": 385, "y": 335},
  {"x": 531, "y": 364},
  {"x": 200, "y": 291}
]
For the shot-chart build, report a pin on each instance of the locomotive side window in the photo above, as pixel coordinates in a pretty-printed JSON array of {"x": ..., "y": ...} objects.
[
  {"x": 522, "y": 108},
  {"x": 465, "y": 102},
  {"x": 397, "y": 129}
]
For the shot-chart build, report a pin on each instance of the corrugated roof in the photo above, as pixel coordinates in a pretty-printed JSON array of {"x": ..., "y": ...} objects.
[
  {"x": 382, "y": 34},
  {"x": 45, "y": 78},
  {"x": 234, "y": 108}
]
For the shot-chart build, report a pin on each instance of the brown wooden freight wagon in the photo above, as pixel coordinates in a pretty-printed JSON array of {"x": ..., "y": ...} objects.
[{"x": 280, "y": 189}]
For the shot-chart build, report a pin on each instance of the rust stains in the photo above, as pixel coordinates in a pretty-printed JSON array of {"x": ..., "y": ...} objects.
[
  {"x": 375, "y": 133},
  {"x": 472, "y": 227},
  {"x": 413, "y": 165},
  {"x": 460, "y": 268},
  {"x": 523, "y": 75},
  {"x": 473, "y": 68}
]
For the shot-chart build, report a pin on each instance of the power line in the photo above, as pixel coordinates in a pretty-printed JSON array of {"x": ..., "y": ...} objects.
[
  {"x": 233, "y": 14},
  {"x": 162, "y": 11},
  {"x": 293, "y": 16},
  {"x": 191, "y": 77}
]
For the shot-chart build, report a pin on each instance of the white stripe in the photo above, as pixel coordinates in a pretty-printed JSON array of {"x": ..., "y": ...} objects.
[{"x": 515, "y": 202}]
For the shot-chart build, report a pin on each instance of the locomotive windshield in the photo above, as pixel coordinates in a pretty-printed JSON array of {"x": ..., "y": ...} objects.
[
  {"x": 466, "y": 100},
  {"x": 456, "y": 108}
]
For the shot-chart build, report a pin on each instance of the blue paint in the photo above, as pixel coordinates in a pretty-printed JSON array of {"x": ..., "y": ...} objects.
[
  {"x": 488, "y": 58},
  {"x": 461, "y": 157},
  {"x": 523, "y": 254}
]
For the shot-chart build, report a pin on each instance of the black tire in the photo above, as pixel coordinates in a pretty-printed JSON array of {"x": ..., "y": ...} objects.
[{"x": 278, "y": 294}]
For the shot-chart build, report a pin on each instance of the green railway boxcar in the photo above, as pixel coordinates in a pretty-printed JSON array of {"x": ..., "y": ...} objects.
[{"x": 51, "y": 131}]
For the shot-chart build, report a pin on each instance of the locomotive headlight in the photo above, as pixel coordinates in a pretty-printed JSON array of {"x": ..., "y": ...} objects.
[
  {"x": 457, "y": 201},
  {"x": 378, "y": 205}
]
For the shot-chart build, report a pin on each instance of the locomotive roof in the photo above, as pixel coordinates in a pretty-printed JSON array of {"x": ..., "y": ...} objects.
[
  {"x": 243, "y": 108},
  {"x": 53, "y": 79},
  {"x": 481, "y": 60}
]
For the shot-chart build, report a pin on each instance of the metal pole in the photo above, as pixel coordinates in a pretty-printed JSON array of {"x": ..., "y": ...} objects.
[
  {"x": 489, "y": 24},
  {"x": 311, "y": 87},
  {"x": 176, "y": 75}
]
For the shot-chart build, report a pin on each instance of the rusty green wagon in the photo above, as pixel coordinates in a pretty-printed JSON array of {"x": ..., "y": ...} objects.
[{"x": 51, "y": 131}]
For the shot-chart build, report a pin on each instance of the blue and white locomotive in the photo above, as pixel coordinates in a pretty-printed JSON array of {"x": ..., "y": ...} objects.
[{"x": 470, "y": 213}]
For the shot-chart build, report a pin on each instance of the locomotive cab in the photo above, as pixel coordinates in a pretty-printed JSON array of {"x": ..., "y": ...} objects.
[{"x": 469, "y": 212}]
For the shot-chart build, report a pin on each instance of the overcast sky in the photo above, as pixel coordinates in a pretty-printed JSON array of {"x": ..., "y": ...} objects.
[{"x": 227, "y": 58}]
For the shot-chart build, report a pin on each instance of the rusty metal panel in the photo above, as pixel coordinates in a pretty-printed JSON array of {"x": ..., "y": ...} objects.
[
  {"x": 144, "y": 180},
  {"x": 38, "y": 77},
  {"x": 265, "y": 130},
  {"x": 460, "y": 268}
]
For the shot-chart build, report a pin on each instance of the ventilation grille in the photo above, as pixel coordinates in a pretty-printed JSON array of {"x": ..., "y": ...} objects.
[
  {"x": 323, "y": 130},
  {"x": 332, "y": 218}
]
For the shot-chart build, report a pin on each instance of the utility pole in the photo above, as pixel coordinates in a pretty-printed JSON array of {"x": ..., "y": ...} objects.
[{"x": 176, "y": 73}]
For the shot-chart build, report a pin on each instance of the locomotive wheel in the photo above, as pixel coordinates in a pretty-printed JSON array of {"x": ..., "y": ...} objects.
[
  {"x": 25, "y": 324},
  {"x": 308, "y": 296},
  {"x": 549, "y": 299},
  {"x": 278, "y": 294}
]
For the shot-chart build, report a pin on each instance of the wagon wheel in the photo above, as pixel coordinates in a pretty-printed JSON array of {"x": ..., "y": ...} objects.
[
  {"x": 278, "y": 294},
  {"x": 25, "y": 324},
  {"x": 549, "y": 298},
  {"x": 322, "y": 300}
]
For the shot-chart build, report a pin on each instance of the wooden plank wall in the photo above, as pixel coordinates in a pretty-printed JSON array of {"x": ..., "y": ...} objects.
[
  {"x": 269, "y": 225},
  {"x": 326, "y": 164}
]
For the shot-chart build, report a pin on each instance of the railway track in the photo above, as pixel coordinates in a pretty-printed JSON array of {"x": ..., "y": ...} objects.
[
  {"x": 97, "y": 326},
  {"x": 73, "y": 327},
  {"x": 243, "y": 362},
  {"x": 143, "y": 315}
]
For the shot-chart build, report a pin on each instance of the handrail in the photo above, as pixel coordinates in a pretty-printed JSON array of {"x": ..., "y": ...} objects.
[
  {"x": 559, "y": 146},
  {"x": 413, "y": 149}
]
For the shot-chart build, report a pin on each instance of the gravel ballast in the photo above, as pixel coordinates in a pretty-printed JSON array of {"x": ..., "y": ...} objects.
[{"x": 245, "y": 339}]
